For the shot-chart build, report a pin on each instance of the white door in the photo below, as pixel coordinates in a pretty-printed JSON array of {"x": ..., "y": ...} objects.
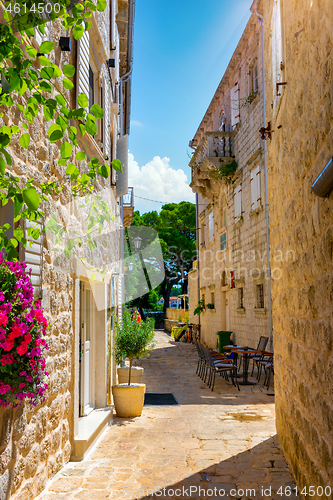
[
  {"x": 227, "y": 313},
  {"x": 87, "y": 358}
]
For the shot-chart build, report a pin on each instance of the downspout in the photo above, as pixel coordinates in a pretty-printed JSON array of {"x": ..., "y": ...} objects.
[
  {"x": 260, "y": 19},
  {"x": 197, "y": 237}
]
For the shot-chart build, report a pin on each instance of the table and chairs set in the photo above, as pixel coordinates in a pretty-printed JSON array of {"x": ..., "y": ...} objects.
[{"x": 211, "y": 362}]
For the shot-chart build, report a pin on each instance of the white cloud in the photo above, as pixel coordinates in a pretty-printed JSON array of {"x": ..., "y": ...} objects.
[
  {"x": 157, "y": 180},
  {"x": 136, "y": 123}
]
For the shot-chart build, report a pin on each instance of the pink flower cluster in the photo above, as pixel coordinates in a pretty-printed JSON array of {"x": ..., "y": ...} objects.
[{"x": 22, "y": 327}]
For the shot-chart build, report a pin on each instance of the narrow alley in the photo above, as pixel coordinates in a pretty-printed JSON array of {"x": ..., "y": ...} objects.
[{"x": 219, "y": 444}]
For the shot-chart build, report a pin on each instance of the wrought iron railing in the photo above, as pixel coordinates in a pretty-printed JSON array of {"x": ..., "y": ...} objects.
[{"x": 128, "y": 199}]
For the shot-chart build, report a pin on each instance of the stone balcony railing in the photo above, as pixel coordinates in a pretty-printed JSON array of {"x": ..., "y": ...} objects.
[{"x": 213, "y": 146}]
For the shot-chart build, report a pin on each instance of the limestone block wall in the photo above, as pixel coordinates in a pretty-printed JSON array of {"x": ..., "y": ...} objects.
[
  {"x": 302, "y": 222},
  {"x": 36, "y": 442},
  {"x": 246, "y": 238}
]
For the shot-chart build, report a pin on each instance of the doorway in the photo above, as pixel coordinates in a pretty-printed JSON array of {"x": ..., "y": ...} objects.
[{"x": 86, "y": 351}]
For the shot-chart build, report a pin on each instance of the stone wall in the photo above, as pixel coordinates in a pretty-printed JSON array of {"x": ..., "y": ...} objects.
[
  {"x": 301, "y": 146},
  {"x": 245, "y": 253},
  {"x": 36, "y": 442}
]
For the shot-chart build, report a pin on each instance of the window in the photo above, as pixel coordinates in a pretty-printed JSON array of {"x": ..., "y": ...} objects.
[
  {"x": 277, "y": 52},
  {"x": 234, "y": 104},
  {"x": 224, "y": 281},
  {"x": 254, "y": 78},
  {"x": 212, "y": 299},
  {"x": 238, "y": 201},
  {"x": 223, "y": 241},
  {"x": 255, "y": 188},
  {"x": 203, "y": 298},
  {"x": 202, "y": 233},
  {"x": 225, "y": 217},
  {"x": 91, "y": 87},
  {"x": 222, "y": 122},
  {"x": 260, "y": 296},
  {"x": 240, "y": 298},
  {"x": 211, "y": 226}
]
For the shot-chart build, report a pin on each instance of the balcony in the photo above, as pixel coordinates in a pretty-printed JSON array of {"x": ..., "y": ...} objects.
[
  {"x": 214, "y": 150},
  {"x": 128, "y": 207}
]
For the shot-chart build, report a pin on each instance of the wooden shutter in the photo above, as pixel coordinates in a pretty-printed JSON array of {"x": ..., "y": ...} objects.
[
  {"x": 253, "y": 190},
  {"x": 234, "y": 104},
  {"x": 82, "y": 65},
  {"x": 33, "y": 256},
  {"x": 211, "y": 226},
  {"x": 106, "y": 119},
  {"x": 277, "y": 50},
  {"x": 122, "y": 155},
  {"x": 238, "y": 200}
]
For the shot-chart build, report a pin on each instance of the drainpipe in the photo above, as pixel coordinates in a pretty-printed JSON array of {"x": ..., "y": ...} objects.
[
  {"x": 197, "y": 237},
  {"x": 260, "y": 19}
]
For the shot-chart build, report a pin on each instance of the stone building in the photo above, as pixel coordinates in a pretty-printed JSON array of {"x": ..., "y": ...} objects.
[
  {"x": 229, "y": 179},
  {"x": 36, "y": 442},
  {"x": 299, "y": 110}
]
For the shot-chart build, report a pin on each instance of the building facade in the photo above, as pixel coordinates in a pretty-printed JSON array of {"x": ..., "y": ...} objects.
[
  {"x": 37, "y": 442},
  {"x": 228, "y": 176},
  {"x": 299, "y": 107}
]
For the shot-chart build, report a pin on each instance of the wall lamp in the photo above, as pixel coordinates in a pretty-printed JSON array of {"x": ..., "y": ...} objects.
[
  {"x": 324, "y": 182},
  {"x": 65, "y": 43},
  {"x": 111, "y": 63}
]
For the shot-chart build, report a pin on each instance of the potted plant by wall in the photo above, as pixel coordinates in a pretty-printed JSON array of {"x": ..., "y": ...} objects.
[{"x": 133, "y": 339}]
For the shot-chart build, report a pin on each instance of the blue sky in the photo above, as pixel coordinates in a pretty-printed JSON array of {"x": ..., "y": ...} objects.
[{"x": 181, "y": 50}]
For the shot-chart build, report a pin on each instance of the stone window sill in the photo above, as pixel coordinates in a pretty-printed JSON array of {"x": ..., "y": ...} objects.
[
  {"x": 256, "y": 211},
  {"x": 239, "y": 222},
  {"x": 260, "y": 310},
  {"x": 240, "y": 310}
]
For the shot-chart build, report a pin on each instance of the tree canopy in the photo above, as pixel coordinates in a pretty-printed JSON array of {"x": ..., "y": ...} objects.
[{"x": 176, "y": 228}]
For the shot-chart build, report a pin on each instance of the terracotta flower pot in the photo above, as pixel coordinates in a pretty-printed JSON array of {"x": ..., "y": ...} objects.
[
  {"x": 136, "y": 374},
  {"x": 128, "y": 399}
]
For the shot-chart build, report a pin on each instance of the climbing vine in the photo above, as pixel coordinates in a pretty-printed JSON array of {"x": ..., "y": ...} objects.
[{"x": 32, "y": 83}]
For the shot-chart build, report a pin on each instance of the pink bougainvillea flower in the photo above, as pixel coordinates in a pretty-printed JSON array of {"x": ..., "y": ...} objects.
[
  {"x": 3, "y": 319},
  {"x": 2, "y": 296},
  {"x": 23, "y": 374},
  {"x": 22, "y": 348},
  {"x": 21, "y": 385},
  {"x": 7, "y": 359}
]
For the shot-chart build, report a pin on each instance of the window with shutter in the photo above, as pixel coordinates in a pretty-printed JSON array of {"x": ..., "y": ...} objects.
[
  {"x": 83, "y": 65},
  {"x": 106, "y": 126},
  {"x": 235, "y": 110},
  {"x": 211, "y": 226},
  {"x": 255, "y": 188},
  {"x": 33, "y": 256},
  {"x": 238, "y": 201},
  {"x": 277, "y": 52}
]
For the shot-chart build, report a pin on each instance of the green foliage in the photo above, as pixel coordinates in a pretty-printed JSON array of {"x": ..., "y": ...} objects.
[
  {"x": 176, "y": 227},
  {"x": 38, "y": 87},
  {"x": 200, "y": 308},
  {"x": 227, "y": 171},
  {"x": 133, "y": 338}
]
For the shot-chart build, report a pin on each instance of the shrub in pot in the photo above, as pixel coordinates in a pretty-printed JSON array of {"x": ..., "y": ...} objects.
[{"x": 134, "y": 339}]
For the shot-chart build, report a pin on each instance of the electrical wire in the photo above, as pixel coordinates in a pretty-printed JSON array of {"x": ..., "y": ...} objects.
[{"x": 163, "y": 202}]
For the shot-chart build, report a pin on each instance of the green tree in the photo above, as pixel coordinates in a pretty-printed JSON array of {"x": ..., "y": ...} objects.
[{"x": 176, "y": 227}]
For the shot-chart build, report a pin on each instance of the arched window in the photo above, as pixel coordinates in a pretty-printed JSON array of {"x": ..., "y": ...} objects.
[{"x": 222, "y": 122}]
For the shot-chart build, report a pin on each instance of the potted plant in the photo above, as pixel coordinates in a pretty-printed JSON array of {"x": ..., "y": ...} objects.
[
  {"x": 134, "y": 339},
  {"x": 200, "y": 308}
]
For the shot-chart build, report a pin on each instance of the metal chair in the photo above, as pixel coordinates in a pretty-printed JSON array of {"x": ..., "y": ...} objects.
[{"x": 219, "y": 366}]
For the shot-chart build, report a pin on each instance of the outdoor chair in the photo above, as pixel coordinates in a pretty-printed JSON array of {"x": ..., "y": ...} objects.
[
  {"x": 267, "y": 363},
  {"x": 201, "y": 358},
  {"x": 256, "y": 356},
  {"x": 224, "y": 366}
]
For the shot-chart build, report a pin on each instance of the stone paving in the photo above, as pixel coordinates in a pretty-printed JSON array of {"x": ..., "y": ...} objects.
[{"x": 216, "y": 445}]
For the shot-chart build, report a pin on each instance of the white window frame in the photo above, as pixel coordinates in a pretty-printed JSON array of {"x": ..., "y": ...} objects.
[
  {"x": 255, "y": 188},
  {"x": 234, "y": 104},
  {"x": 277, "y": 53},
  {"x": 238, "y": 202},
  {"x": 211, "y": 226}
]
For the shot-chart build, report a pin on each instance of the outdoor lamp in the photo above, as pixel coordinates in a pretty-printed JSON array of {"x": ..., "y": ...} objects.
[
  {"x": 130, "y": 267},
  {"x": 65, "y": 43},
  {"x": 137, "y": 242}
]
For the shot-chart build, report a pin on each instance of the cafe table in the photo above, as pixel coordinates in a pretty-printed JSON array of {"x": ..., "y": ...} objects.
[{"x": 245, "y": 351}]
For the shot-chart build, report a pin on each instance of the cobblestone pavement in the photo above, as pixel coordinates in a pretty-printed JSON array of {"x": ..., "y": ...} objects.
[{"x": 217, "y": 445}]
